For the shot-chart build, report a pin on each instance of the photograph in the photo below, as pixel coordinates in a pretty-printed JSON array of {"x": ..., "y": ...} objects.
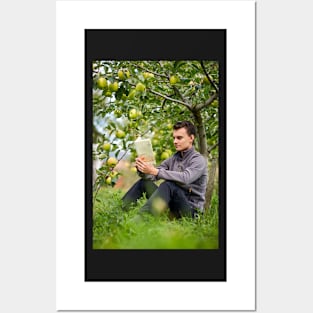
[
  {"x": 155, "y": 157},
  {"x": 159, "y": 197},
  {"x": 155, "y": 154}
]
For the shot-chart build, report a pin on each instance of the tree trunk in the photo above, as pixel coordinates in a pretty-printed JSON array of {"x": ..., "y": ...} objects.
[
  {"x": 210, "y": 187},
  {"x": 203, "y": 146},
  {"x": 203, "y": 149}
]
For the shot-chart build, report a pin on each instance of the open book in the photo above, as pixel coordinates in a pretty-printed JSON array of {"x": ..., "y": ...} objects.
[{"x": 144, "y": 150}]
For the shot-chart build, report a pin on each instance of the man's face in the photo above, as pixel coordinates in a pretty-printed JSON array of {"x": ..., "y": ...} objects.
[{"x": 182, "y": 141}]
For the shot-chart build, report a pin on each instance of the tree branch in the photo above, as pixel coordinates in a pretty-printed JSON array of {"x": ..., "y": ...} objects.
[
  {"x": 184, "y": 102},
  {"x": 208, "y": 77},
  {"x": 210, "y": 149},
  {"x": 206, "y": 103},
  {"x": 187, "y": 105},
  {"x": 149, "y": 71},
  {"x": 178, "y": 93}
]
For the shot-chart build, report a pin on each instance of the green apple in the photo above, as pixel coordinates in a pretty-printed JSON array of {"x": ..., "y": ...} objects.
[
  {"x": 140, "y": 87},
  {"x": 106, "y": 146},
  {"x": 113, "y": 87},
  {"x": 173, "y": 80},
  {"x": 112, "y": 161},
  {"x": 121, "y": 75},
  {"x": 165, "y": 155},
  {"x": 120, "y": 134},
  {"x": 113, "y": 174},
  {"x": 108, "y": 180},
  {"x": 102, "y": 83},
  {"x": 132, "y": 113},
  {"x": 148, "y": 75}
]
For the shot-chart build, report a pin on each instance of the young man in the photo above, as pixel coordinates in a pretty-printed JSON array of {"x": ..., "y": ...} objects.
[{"x": 185, "y": 175}]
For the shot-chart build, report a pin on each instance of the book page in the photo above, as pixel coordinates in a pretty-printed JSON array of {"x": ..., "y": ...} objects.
[{"x": 144, "y": 150}]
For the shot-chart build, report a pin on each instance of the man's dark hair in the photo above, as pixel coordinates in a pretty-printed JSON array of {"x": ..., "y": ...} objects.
[{"x": 190, "y": 128}]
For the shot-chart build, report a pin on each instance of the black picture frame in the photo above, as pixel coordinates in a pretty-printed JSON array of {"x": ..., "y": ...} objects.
[{"x": 145, "y": 265}]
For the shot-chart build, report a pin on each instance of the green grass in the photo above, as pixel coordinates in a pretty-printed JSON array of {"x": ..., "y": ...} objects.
[{"x": 114, "y": 228}]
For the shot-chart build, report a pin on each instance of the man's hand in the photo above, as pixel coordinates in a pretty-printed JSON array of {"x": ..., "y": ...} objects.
[{"x": 146, "y": 168}]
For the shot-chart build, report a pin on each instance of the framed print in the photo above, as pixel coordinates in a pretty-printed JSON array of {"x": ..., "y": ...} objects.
[
  {"x": 118, "y": 114},
  {"x": 137, "y": 102}
]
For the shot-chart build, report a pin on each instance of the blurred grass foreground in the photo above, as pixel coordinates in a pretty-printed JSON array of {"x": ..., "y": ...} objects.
[{"x": 114, "y": 228}]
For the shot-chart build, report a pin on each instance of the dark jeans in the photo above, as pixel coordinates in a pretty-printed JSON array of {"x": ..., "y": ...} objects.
[{"x": 167, "y": 195}]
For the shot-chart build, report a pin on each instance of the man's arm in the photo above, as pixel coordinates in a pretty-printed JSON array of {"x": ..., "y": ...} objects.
[
  {"x": 148, "y": 169},
  {"x": 192, "y": 172}
]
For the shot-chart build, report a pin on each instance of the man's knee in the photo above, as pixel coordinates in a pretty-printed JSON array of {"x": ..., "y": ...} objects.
[
  {"x": 168, "y": 184},
  {"x": 175, "y": 190}
]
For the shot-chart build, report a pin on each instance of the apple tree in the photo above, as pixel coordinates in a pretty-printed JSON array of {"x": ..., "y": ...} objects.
[{"x": 146, "y": 98}]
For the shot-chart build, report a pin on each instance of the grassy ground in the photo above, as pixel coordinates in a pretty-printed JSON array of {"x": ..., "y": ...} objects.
[{"x": 117, "y": 229}]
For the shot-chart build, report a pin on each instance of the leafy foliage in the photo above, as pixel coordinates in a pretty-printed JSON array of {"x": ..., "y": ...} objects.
[{"x": 117, "y": 229}]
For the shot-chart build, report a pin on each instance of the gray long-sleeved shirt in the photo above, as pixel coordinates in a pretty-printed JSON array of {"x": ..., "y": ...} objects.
[{"x": 189, "y": 170}]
